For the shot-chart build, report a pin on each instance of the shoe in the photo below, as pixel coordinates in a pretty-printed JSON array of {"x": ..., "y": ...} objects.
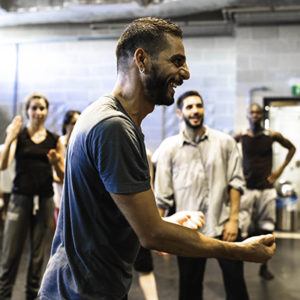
[{"x": 265, "y": 273}]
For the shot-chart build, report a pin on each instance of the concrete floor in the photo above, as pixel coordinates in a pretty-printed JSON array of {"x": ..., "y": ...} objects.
[{"x": 285, "y": 286}]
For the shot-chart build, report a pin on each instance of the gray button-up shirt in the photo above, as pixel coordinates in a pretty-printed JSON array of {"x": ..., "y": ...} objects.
[{"x": 197, "y": 176}]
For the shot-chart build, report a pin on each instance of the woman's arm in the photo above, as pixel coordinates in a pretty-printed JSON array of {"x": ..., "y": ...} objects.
[
  {"x": 9, "y": 148},
  {"x": 56, "y": 159}
]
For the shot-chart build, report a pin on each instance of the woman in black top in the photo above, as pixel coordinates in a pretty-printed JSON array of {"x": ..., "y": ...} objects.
[{"x": 35, "y": 150}]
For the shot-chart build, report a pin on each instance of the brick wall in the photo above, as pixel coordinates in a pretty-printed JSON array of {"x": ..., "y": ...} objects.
[{"x": 73, "y": 72}]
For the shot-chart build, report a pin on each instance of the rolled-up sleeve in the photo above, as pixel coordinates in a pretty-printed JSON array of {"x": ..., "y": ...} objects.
[
  {"x": 163, "y": 185},
  {"x": 234, "y": 171}
]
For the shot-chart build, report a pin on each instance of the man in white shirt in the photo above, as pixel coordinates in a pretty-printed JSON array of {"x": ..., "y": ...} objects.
[{"x": 200, "y": 170}]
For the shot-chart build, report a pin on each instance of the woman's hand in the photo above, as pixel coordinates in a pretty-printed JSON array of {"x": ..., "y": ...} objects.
[
  {"x": 53, "y": 156},
  {"x": 13, "y": 129}
]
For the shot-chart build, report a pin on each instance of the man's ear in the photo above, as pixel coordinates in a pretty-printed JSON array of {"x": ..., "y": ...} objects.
[
  {"x": 179, "y": 113},
  {"x": 141, "y": 59}
]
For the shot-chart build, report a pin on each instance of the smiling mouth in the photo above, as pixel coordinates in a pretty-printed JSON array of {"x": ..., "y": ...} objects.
[
  {"x": 172, "y": 85},
  {"x": 175, "y": 83}
]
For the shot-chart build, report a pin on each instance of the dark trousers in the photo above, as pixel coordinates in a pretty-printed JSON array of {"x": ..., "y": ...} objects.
[
  {"x": 191, "y": 275},
  {"x": 19, "y": 221}
]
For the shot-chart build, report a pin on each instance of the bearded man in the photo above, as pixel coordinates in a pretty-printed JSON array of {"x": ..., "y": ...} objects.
[
  {"x": 200, "y": 170},
  {"x": 108, "y": 207}
]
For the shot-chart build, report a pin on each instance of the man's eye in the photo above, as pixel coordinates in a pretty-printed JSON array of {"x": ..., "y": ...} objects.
[{"x": 177, "y": 62}]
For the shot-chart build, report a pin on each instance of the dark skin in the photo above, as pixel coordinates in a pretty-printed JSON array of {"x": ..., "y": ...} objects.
[{"x": 255, "y": 117}]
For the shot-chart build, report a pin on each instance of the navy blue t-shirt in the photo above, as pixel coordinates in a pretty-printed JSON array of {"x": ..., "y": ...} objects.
[{"x": 94, "y": 246}]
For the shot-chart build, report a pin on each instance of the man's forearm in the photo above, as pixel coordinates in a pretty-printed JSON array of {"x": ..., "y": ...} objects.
[
  {"x": 182, "y": 241},
  {"x": 234, "y": 198},
  {"x": 288, "y": 158},
  {"x": 153, "y": 232},
  {"x": 162, "y": 212}
]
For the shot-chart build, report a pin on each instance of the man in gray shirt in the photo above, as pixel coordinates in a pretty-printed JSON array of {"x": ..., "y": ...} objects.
[{"x": 200, "y": 170}]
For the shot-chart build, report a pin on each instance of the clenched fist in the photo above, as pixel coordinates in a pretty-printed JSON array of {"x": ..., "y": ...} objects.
[{"x": 258, "y": 248}]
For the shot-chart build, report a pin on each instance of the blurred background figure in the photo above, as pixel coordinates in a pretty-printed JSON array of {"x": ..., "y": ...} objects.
[
  {"x": 70, "y": 118},
  {"x": 144, "y": 261},
  {"x": 35, "y": 150},
  {"x": 260, "y": 194}
]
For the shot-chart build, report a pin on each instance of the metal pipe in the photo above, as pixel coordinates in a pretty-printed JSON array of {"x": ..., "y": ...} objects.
[{"x": 16, "y": 81}]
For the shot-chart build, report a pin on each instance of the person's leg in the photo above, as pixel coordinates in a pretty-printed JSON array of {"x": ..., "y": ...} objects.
[
  {"x": 14, "y": 236},
  {"x": 6, "y": 197},
  {"x": 148, "y": 285},
  {"x": 144, "y": 266},
  {"x": 246, "y": 212},
  {"x": 234, "y": 281},
  {"x": 191, "y": 274},
  {"x": 233, "y": 277},
  {"x": 266, "y": 217},
  {"x": 42, "y": 222}
]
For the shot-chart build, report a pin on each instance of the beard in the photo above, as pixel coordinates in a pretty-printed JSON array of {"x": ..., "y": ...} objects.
[
  {"x": 256, "y": 126},
  {"x": 157, "y": 88},
  {"x": 192, "y": 126}
]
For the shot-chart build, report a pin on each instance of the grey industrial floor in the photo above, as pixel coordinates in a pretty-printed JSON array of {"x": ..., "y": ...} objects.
[{"x": 285, "y": 286}]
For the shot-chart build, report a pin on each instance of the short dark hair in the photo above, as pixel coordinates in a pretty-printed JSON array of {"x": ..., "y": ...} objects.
[
  {"x": 147, "y": 33},
  {"x": 257, "y": 105},
  {"x": 67, "y": 119},
  {"x": 34, "y": 96},
  {"x": 180, "y": 99}
]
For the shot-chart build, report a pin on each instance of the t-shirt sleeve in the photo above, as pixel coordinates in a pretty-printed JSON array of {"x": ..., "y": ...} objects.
[{"x": 120, "y": 157}]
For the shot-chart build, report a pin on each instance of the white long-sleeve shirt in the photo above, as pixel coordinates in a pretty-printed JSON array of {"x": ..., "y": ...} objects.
[{"x": 197, "y": 176}]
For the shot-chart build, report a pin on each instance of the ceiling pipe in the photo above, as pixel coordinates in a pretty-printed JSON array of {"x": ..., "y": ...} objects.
[{"x": 263, "y": 15}]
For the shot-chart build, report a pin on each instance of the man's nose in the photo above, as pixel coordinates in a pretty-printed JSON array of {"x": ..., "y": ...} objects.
[
  {"x": 185, "y": 72},
  {"x": 195, "y": 109}
]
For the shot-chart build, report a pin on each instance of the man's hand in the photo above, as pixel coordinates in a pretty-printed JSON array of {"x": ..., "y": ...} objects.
[
  {"x": 190, "y": 219},
  {"x": 230, "y": 231},
  {"x": 274, "y": 176},
  {"x": 13, "y": 129},
  {"x": 259, "y": 248}
]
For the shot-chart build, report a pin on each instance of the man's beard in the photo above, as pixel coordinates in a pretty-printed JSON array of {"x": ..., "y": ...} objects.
[
  {"x": 191, "y": 126},
  {"x": 256, "y": 126},
  {"x": 156, "y": 88}
]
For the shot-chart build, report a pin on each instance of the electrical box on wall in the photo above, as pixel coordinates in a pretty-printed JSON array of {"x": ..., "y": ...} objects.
[{"x": 296, "y": 89}]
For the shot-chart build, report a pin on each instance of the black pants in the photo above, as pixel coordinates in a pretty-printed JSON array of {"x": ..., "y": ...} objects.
[
  {"x": 143, "y": 262},
  {"x": 191, "y": 275},
  {"x": 19, "y": 221}
]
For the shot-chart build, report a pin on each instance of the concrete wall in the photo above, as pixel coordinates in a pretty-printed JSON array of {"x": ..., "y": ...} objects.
[{"x": 73, "y": 71}]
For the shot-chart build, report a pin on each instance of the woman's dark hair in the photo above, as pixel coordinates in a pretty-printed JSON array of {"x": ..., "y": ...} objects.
[
  {"x": 35, "y": 96},
  {"x": 68, "y": 118}
]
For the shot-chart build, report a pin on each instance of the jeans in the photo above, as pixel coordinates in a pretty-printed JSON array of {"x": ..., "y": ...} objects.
[{"x": 19, "y": 221}]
